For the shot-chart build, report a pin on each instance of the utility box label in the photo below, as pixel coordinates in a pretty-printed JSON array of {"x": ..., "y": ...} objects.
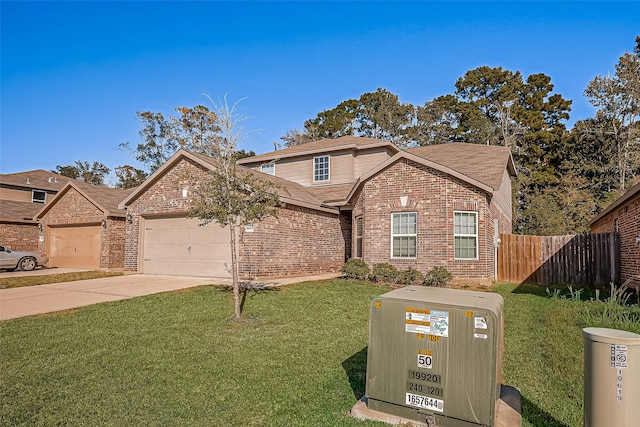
[
  {"x": 425, "y": 402},
  {"x": 618, "y": 356},
  {"x": 440, "y": 323},
  {"x": 425, "y": 361},
  {"x": 480, "y": 323},
  {"x": 417, "y": 321}
]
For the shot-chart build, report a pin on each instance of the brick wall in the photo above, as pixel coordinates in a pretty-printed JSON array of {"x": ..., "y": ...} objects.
[
  {"x": 164, "y": 197},
  {"x": 74, "y": 209},
  {"x": 19, "y": 236},
  {"x": 299, "y": 241},
  {"x": 434, "y": 196},
  {"x": 628, "y": 216}
]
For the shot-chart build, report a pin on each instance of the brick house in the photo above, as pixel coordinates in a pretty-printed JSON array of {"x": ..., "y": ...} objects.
[
  {"x": 623, "y": 217},
  {"x": 347, "y": 197},
  {"x": 82, "y": 227},
  {"x": 306, "y": 237},
  {"x": 442, "y": 205},
  {"x": 22, "y": 196}
]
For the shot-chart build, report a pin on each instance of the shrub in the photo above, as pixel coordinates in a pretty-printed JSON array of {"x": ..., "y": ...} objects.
[
  {"x": 410, "y": 277},
  {"x": 356, "y": 269},
  {"x": 384, "y": 272},
  {"x": 437, "y": 276}
]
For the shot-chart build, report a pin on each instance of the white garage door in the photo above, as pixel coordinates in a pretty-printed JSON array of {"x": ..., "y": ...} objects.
[{"x": 180, "y": 246}]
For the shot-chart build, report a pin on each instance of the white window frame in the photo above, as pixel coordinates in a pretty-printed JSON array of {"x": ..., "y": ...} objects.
[
  {"x": 457, "y": 234},
  {"x": 407, "y": 235},
  {"x": 34, "y": 200},
  {"x": 318, "y": 169},
  {"x": 359, "y": 240},
  {"x": 271, "y": 166}
]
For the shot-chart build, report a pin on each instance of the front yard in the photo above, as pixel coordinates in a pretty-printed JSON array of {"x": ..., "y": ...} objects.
[{"x": 300, "y": 359}]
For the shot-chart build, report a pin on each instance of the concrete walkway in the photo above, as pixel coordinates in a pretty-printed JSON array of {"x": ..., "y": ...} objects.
[{"x": 30, "y": 300}]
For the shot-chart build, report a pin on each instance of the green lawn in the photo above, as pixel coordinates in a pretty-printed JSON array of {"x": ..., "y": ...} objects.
[
  {"x": 300, "y": 359},
  {"x": 18, "y": 282}
]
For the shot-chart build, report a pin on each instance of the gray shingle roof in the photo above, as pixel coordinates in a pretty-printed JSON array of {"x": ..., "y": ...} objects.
[
  {"x": 39, "y": 179},
  {"x": 12, "y": 211},
  {"x": 484, "y": 163}
]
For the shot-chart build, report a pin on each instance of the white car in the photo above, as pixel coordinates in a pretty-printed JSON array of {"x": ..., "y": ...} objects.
[{"x": 22, "y": 260}]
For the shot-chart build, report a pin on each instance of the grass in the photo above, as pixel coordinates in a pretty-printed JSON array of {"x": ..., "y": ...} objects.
[
  {"x": 18, "y": 282},
  {"x": 175, "y": 359},
  {"x": 298, "y": 360}
]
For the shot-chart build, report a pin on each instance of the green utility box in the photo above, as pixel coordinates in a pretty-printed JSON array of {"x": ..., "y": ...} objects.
[{"x": 435, "y": 355}]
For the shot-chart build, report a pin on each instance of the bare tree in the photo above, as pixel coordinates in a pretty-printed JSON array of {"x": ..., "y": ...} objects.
[
  {"x": 231, "y": 196},
  {"x": 617, "y": 98}
]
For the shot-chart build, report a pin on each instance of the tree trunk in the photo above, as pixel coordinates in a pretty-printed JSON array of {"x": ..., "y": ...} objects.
[{"x": 237, "y": 311}]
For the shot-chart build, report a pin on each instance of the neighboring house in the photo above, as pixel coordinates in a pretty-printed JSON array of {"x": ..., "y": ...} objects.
[
  {"x": 82, "y": 227},
  {"x": 22, "y": 196},
  {"x": 623, "y": 217},
  {"x": 441, "y": 205}
]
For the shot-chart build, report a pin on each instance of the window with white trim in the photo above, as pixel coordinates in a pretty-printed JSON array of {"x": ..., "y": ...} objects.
[
  {"x": 404, "y": 235},
  {"x": 321, "y": 168},
  {"x": 359, "y": 233},
  {"x": 465, "y": 232},
  {"x": 38, "y": 196},
  {"x": 268, "y": 168}
]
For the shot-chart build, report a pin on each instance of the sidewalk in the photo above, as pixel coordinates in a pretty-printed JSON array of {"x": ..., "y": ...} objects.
[{"x": 31, "y": 300}]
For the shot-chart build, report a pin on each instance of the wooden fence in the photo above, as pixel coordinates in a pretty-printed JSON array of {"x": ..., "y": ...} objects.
[{"x": 584, "y": 259}]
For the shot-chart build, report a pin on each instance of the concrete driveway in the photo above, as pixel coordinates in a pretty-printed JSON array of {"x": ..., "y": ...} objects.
[{"x": 30, "y": 300}]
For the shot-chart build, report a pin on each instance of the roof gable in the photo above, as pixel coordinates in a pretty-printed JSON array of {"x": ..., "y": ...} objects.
[
  {"x": 104, "y": 198},
  {"x": 482, "y": 166}
]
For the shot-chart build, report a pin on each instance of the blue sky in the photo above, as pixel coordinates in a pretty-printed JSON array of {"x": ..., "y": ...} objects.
[{"x": 73, "y": 74}]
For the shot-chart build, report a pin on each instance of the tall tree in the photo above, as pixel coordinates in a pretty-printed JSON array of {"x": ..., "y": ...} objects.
[
  {"x": 617, "y": 98},
  {"x": 193, "y": 128},
  {"x": 489, "y": 104},
  {"x": 231, "y": 195},
  {"x": 158, "y": 140},
  {"x": 436, "y": 122},
  {"x": 84, "y": 171},
  {"x": 376, "y": 114},
  {"x": 381, "y": 115},
  {"x": 334, "y": 123},
  {"x": 129, "y": 176},
  {"x": 294, "y": 137}
]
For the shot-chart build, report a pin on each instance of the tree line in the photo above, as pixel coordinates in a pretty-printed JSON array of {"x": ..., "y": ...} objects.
[{"x": 565, "y": 176}]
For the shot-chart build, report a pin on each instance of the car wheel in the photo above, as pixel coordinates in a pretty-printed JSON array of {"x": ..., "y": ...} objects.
[{"x": 27, "y": 264}]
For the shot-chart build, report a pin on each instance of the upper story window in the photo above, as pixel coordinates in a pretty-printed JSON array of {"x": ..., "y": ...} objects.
[
  {"x": 404, "y": 235},
  {"x": 321, "y": 168},
  {"x": 465, "y": 231},
  {"x": 268, "y": 168},
  {"x": 38, "y": 196}
]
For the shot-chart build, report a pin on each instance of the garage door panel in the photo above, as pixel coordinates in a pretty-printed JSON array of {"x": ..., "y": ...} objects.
[
  {"x": 180, "y": 246},
  {"x": 74, "y": 247}
]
